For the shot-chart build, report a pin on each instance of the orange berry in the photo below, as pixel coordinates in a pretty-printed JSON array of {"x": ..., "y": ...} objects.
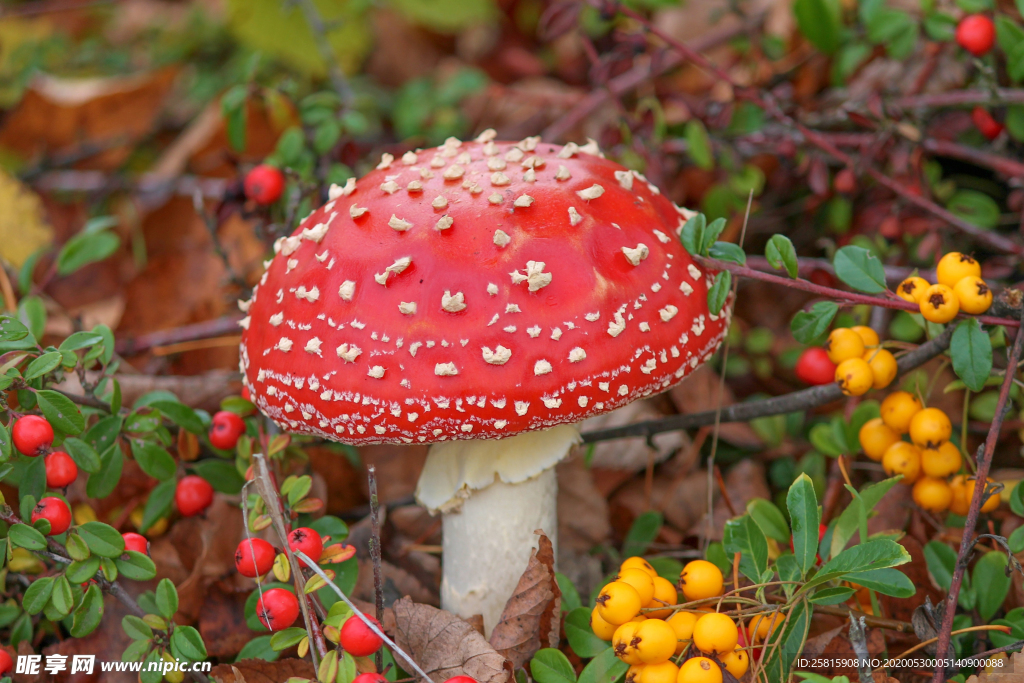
[
  {"x": 942, "y": 461},
  {"x": 974, "y": 295},
  {"x": 939, "y": 304},
  {"x": 657, "y": 641},
  {"x": 763, "y": 625},
  {"x": 883, "y": 367},
  {"x": 954, "y": 267},
  {"x": 638, "y": 563},
  {"x": 601, "y": 628},
  {"x": 665, "y": 672},
  {"x": 961, "y": 502},
  {"x": 867, "y": 335},
  {"x": 715, "y": 633},
  {"x": 701, "y": 579},
  {"x": 618, "y": 603},
  {"x": 736, "y": 662},
  {"x": 843, "y": 344},
  {"x": 682, "y": 623},
  {"x": 932, "y": 494},
  {"x": 898, "y": 409},
  {"x": 929, "y": 428},
  {"x": 664, "y": 594},
  {"x": 875, "y": 437},
  {"x": 912, "y": 289},
  {"x": 699, "y": 670},
  {"x": 640, "y": 580},
  {"x": 624, "y": 641},
  {"x": 902, "y": 458},
  {"x": 854, "y": 376}
]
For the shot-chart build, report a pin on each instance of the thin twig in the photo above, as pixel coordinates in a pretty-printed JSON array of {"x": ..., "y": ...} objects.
[
  {"x": 966, "y": 543},
  {"x": 128, "y": 346},
  {"x": 375, "y": 550}
]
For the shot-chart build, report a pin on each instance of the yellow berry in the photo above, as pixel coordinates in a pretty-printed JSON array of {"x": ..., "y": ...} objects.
[
  {"x": 635, "y": 673},
  {"x": 883, "y": 367},
  {"x": 715, "y": 633},
  {"x": 657, "y": 641},
  {"x": 898, "y": 409},
  {"x": 699, "y": 670},
  {"x": 854, "y": 376},
  {"x": 875, "y": 437},
  {"x": 624, "y": 641},
  {"x": 961, "y": 502},
  {"x": 638, "y": 563},
  {"x": 902, "y": 458},
  {"x": 968, "y": 494},
  {"x": 601, "y": 628},
  {"x": 736, "y": 662},
  {"x": 942, "y": 461},
  {"x": 843, "y": 344},
  {"x": 763, "y": 625},
  {"x": 867, "y": 335},
  {"x": 682, "y": 623},
  {"x": 929, "y": 428},
  {"x": 912, "y": 289},
  {"x": 939, "y": 304},
  {"x": 932, "y": 494},
  {"x": 618, "y": 603},
  {"x": 664, "y": 594},
  {"x": 639, "y": 580},
  {"x": 973, "y": 294},
  {"x": 954, "y": 267},
  {"x": 701, "y": 579},
  {"x": 665, "y": 672}
]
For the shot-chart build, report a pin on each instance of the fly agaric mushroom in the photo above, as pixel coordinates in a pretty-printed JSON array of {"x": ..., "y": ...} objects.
[{"x": 482, "y": 297}]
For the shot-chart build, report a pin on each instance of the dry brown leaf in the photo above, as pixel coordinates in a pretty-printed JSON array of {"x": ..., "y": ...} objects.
[
  {"x": 530, "y": 620},
  {"x": 23, "y": 227},
  {"x": 682, "y": 501},
  {"x": 633, "y": 454},
  {"x": 699, "y": 392},
  {"x": 582, "y": 510},
  {"x": 444, "y": 645},
  {"x": 743, "y": 482},
  {"x": 262, "y": 671}
]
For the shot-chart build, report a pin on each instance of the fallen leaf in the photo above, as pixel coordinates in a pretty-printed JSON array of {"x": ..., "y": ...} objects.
[
  {"x": 633, "y": 453},
  {"x": 743, "y": 482},
  {"x": 222, "y": 622},
  {"x": 531, "y": 618},
  {"x": 683, "y": 501},
  {"x": 23, "y": 228},
  {"x": 444, "y": 645},
  {"x": 582, "y": 510},
  {"x": 699, "y": 392},
  {"x": 262, "y": 671}
]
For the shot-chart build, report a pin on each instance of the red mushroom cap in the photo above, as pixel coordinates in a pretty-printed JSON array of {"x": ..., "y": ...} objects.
[{"x": 476, "y": 290}]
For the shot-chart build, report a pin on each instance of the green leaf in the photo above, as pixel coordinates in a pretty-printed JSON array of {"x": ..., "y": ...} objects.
[
  {"x": 103, "y": 482},
  {"x": 1014, "y": 122},
  {"x": 719, "y": 291},
  {"x": 698, "y": 144},
  {"x": 823, "y": 437},
  {"x": 83, "y": 455},
  {"x": 743, "y": 536},
  {"x": 222, "y": 474},
  {"x": 832, "y": 596},
  {"x": 37, "y": 595},
  {"x": 805, "y": 518},
  {"x": 549, "y": 665},
  {"x": 780, "y": 253},
  {"x": 939, "y": 26},
  {"x": 166, "y": 598},
  {"x": 136, "y": 628},
  {"x": 849, "y": 521},
  {"x": 188, "y": 643},
  {"x": 62, "y": 597},
  {"x": 779, "y": 659},
  {"x": 181, "y": 415},
  {"x": 80, "y": 340},
  {"x": 971, "y": 350},
  {"x": 103, "y": 434},
  {"x": 12, "y": 329},
  {"x": 80, "y": 572},
  {"x": 102, "y": 539},
  {"x": 643, "y": 532},
  {"x": 990, "y": 583},
  {"x": 769, "y": 519},
  {"x": 570, "y": 596},
  {"x": 33, "y": 481},
  {"x": 89, "y": 613},
  {"x": 859, "y": 268},
  {"x": 874, "y": 554},
  {"x": 5, "y": 443},
  {"x": 24, "y": 536},
  {"x": 258, "y": 648},
  {"x": 42, "y": 365},
  {"x": 85, "y": 248},
  {"x": 887, "y": 581},
  {"x": 692, "y": 234},
  {"x": 154, "y": 460},
  {"x": 158, "y": 504},
  {"x": 282, "y": 640},
  {"x": 727, "y": 251},
  {"x": 974, "y": 207},
  {"x": 136, "y": 566},
  {"x": 810, "y": 327},
  {"x": 819, "y": 22},
  {"x": 32, "y": 312},
  {"x": 61, "y": 413},
  {"x": 581, "y": 637},
  {"x": 1016, "y": 540},
  {"x": 603, "y": 668}
]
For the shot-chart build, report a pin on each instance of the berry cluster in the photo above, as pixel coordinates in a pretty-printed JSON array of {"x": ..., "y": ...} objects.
[
  {"x": 33, "y": 436},
  {"x": 959, "y": 288},
  {"x": 861, "y": 362},
  {"x": 927, "y": 460},
  {"x": 663, "y": 645},
  {"x": 254, "y": 557}
]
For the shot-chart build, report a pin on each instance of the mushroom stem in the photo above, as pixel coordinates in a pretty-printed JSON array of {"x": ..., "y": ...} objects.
[{"x": 494, "y": 495}]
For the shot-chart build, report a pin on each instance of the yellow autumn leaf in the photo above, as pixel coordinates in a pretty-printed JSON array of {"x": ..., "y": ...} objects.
[{"x": 23, "y": 227}]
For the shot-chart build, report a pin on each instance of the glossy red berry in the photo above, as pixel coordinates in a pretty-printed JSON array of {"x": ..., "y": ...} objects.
[
  {"x": 988, "y": 126},
  {"x": 277, "y": 609},
  {"x": 369, "y": 678},
  {"x": 6, "y": 662},
  {"x": 264, "y": 184},
  {"x": 461, "y": 679},
  {"x": 193, "y": 495},
  {"x": 136, "y": 542},
  {"x": 32, "y": 435},
  {"x": 55, "y": 511},
  {"x": 254, "y": 557},
  {"x": 307, "y": 541},
  {"x": 226, "y": 429},
  {"x": 814, "y": 367},
  {"x": 845, "y": 181},
  {"x": 358, "y": 639},
  {"x": 61, "y": 470},
  {"x": 976, "y": 33}
]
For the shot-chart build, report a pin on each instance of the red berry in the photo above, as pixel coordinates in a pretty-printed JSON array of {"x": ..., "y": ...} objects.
[
  {"x": 226, "y": 429},
  {"x": 264, "y": 184},
  {"x": 307, "y": 541},
  {"x": 988, "y": 126},
  {"x": 56, "y": 512},
  {"x": 32, "y": 435},
  {"x": 976, "y": 34},
  {"x": 193, "y": 495},
  {"x": 61, "y": 470},
  {"x": 369, "y": 678},
  {"x": 845, "y": 181},
  {"x": 277, "y": 609},
  {"x": 6, "y": 663},
  {"x": 136, "y": 542},
  {"x": 358, "y": 639},
  {"x": 814, "y": 367},
  {"x": 461, "y": 679},
  {"x": 254, "y": 557}
]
